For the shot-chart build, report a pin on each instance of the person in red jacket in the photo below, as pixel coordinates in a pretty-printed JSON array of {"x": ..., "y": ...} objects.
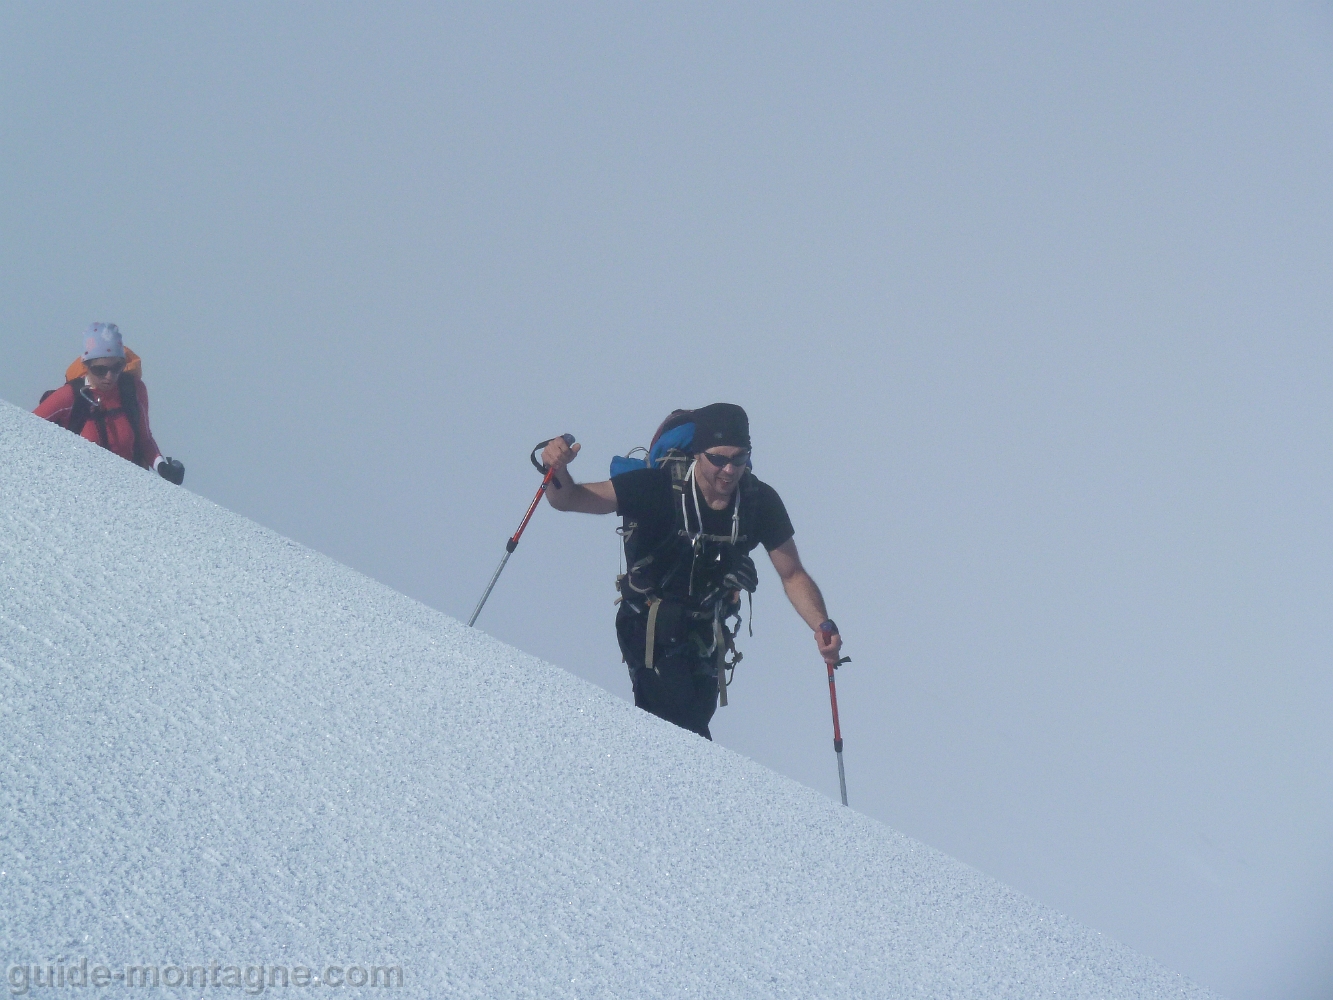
[{"x": 108, "y": 405}]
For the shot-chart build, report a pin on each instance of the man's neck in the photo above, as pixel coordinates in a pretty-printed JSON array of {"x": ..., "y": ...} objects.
[{"x": 713, "y": 499}]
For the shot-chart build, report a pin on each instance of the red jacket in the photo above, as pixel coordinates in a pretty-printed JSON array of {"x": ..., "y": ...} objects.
[{"x": 107, "y": 423}]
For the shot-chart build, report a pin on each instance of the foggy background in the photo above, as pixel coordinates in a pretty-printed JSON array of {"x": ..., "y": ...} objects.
[{"x": 1029, "y": 308}]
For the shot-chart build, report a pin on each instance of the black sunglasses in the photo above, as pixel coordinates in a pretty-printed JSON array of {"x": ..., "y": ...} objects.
[
  {"x": 102, "y": 371},
  {"x": 722, "y": 461}
]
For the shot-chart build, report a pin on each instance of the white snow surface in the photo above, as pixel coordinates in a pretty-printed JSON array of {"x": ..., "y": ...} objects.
[{"x": 218, "y": 747}]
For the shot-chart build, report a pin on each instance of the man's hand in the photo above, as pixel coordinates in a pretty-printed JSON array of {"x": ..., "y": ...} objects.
[
  {"x": 829, "y": 641},
  {"x": 557, "y": 455}
]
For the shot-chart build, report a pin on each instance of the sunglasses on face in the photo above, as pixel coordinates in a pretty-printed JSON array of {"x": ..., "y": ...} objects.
[
  {"x": 722, "y": 461},
  {"x": 102, "y": 371}
]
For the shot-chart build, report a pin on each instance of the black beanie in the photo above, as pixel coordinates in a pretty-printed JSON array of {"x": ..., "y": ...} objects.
[{"x": 721, "y": 424}]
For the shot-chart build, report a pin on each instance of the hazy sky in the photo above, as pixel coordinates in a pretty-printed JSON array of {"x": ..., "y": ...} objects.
[{"x": 1030, "y": 310}]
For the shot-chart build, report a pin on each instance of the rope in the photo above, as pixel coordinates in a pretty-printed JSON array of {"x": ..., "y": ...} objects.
[{"x": 698, "y": 516}]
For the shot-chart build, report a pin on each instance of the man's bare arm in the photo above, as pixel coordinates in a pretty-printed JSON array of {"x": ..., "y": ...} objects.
[
  {"x": 805, "y": 597},
  {"x": 585, "y": 498}
]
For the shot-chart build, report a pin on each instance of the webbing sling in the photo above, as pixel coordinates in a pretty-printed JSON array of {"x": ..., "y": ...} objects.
[
  {"x": 78, "y": 413},
  {"x": 653, "y": 604},
  {"x": 721, "y": 645},
  {"x": 721, "y": 658}
]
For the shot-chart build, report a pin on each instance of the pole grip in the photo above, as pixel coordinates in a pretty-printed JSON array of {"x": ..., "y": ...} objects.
[{"x": 532, "y": 457}]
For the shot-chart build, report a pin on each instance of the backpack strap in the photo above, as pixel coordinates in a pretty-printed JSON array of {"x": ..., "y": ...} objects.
[
  {"x": 129, "y": 402},
  {"x": 78, "y": 414},
  {"x": 99, "y": 418}
]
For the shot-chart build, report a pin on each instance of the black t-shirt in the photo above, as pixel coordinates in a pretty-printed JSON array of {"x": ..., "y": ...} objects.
[{"x": 645, "y": 497}]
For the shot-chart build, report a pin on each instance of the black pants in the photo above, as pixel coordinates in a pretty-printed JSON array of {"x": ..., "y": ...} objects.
[{"x": 681, "y": 687}]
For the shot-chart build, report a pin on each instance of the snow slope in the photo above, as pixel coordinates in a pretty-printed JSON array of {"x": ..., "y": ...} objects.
[{"x": 220, "y": 749}]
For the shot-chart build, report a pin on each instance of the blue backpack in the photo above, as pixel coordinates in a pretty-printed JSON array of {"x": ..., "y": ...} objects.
[
  {"x": 675, "y": 434},
  {"x": 671, "y": 446}
]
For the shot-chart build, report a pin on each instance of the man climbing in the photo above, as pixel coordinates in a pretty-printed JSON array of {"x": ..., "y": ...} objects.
[
  {"x": 104, "y": 400},
  {"x": 688, "y": 534}
]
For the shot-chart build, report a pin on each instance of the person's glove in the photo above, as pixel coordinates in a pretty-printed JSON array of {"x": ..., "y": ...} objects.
[
  {"x": 740, "y": 574},
  {"x": 171, "y": 470}
]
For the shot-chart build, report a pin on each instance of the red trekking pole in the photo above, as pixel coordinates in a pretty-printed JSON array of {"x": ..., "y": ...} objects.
[
  {"x": 547, "y": 480},
  {"x": 827, "y": 629}
]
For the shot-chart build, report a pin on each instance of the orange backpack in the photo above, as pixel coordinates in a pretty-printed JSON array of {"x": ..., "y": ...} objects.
[{"x": 133, "y": 366}]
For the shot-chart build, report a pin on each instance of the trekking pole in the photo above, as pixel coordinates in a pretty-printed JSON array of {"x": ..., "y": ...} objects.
[
  {"x": 547, "y": 480},
  {"x": 837, "y": 730}
]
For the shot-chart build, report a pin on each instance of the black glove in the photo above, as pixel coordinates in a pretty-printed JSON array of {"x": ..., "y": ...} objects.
[
  {"x": 171, "y": 470},
  {"x": 740, "y": 574}
]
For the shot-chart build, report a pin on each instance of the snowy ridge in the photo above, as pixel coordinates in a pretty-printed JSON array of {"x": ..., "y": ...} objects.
[{"x": 221, "y": 749}]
